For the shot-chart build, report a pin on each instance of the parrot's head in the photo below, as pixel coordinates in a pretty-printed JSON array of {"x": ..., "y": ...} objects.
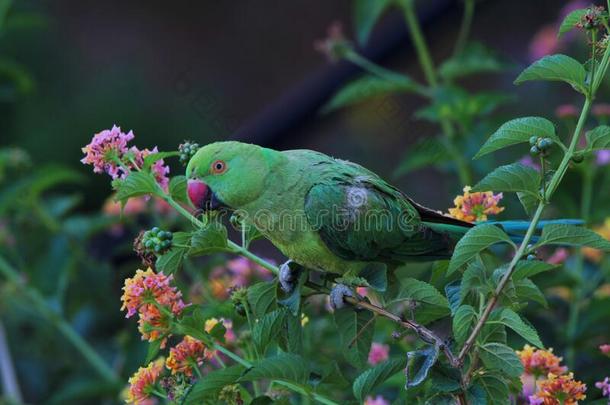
[{"x": 227, "y": 174}]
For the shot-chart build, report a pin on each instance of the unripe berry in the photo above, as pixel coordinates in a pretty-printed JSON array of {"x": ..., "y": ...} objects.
[
  {"x": 157, "y": 240},
  {"x": 533, "y": 140},
  {"x": 534, "y": 150},
  {"x": 578, "y": 158},
  {"x": 187, "y": 151},
  {"x": 545, "y": 143}
]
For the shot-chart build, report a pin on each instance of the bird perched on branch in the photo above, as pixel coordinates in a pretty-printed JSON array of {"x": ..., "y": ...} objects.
[{"x": 323, "y": 213}]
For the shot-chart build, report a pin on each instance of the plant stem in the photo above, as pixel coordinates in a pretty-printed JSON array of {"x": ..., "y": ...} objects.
[
  {"x": 464, "y": 27},
  {"x": 553, "y": 184},
  {"x": 64, "y": 327},
  {"x": 425, "y": 61}
]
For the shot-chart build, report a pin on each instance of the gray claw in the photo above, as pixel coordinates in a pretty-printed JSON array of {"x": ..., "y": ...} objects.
[
  {"x": 289, "y": 275},
  {"x": 338, "y": 294}
]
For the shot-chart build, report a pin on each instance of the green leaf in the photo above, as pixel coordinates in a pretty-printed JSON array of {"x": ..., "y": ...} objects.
[
  {"x": 515, "y": 177},
  {"x": 511, "y": 319},
  {"x": 476, "y": 240},
  {"x": 570, "y": 235},
  {"x": 135, "y": 185},
  {"x": 495, "y": 388},
  {"x": 284, "y": 367},
  {"x": 453, "y": 294},
  {"x": 172, "y": 260},
  {"x": 177, "y": 189},
  {"x": 556, "y": 68},
  {"x": 529, "y": 268},
  {"x": 598, "y": 138},
  {"x": 291, "y": 334},
  {"x": 367, "y": 87},
  {"x": 366, "y": 382},
  {"x": 474, "y": 59},
  {"x": 355, "y": 342},
  {"x": 262, "y": 298},
  {"x": 212, "y": 238},
  {"x": 266, "y": 330},
  {"x": 432, "y": 304},
  {"x": 366, "y": 14},
  {"x": 493, "y": 330},
  {"x": 153, "y": 157},
  {"x": 214, "y": 381},
  {"x": 525, "y": 289},
  {"x": 519, "y": 130},
  {"x": 473, "y": 280},
  {"x": 462, "y": 321},
  {"x": 153, "y": 350},
  {"x": 569, "y": 22},
  {"x": 496, "y": 356},
  {"x": 427, "y": 151},
  {"x": 375, "y": 275}
]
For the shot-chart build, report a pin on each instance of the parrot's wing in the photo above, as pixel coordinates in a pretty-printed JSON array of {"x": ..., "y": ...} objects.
[{"x": 369, "y": 220}]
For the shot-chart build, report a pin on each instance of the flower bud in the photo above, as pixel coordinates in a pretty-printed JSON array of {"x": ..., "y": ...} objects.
[{"x": 187, "y": 150}]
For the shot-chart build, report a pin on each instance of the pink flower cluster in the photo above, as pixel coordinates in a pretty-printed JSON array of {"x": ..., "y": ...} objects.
[
  {"x": 378, "y": 353},
  {"x": 109, "y": 153},
  {"x": 151, "y": 296}
]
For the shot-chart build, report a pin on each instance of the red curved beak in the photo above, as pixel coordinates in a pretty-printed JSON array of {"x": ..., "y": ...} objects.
[{"x": 198, "y": 192}]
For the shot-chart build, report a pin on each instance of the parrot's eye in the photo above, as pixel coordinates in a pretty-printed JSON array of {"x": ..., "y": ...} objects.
[{"x": 219, "y": 167}]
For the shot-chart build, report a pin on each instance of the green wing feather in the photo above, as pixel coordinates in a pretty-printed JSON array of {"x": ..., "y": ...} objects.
[{"x": 361, "y": 217}]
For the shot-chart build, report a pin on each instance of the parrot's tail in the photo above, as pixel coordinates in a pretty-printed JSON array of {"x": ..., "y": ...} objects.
[{"x": 516, "y": 229}]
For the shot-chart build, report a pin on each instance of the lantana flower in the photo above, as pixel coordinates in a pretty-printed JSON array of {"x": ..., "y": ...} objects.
[
  {"x": 538, "y": 362},
  {"x": 605, "y": 349},
  {"x": 150, "y": 295},
  {"x": 335, "y": 45},
  {"x": 559, "y": 390},
  {"x": 142, "y": 383},
  {"x": 471, "y": 207},
  {"x": 378, "y": 353},
  {"x": 604, "y": 386},
  {"x": 186, "y": 355}
]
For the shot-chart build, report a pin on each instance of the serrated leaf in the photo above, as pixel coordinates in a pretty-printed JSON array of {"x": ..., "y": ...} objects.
[
  {"x": 474, "y": 241},
  {"x": 496, "y": 356},
  {"x": 453, "y": 294},
  {"x": 212, "y": 238},
  {"x": 351, "y": 327},
  {"x": 474, "y": 59},
  {"x": 495, "y": 388},
  {"x": 525, "y": 289},
  {"x": 426, "y": 152},
  {"x": 284, "y": 367},
  {"x": 366, "y": 382},
  {"x": 556, "y": 68},
  {"x": 569, "y": 21},
  {"x": 570, "y": 235},
  {"x": 366, "y": 14},
  {"x": 514, "y": 177},
  {"x": 266, "y": 330},
  {"x": 529, "y": 268},
  {"x": 136, "y": 184},
  {"x": 519, "y": 130},
  {"x": 262, "y": 298},
  {"x": 172, "y": 260},
  {"x": 367, "y": 87},
  {"x": 462, "y": 320},
  {"x": 214, "y": 381},
  {"x": 598, "y": 138},
  {"x": 493, "y": 330},
  {"x": 511, "y": 319},
  {"x": 473, "y": 280},
  {"x": 291, "y": 334},
  {"x": 432, "y": 304},
  {"x": 177, "y": 189}
]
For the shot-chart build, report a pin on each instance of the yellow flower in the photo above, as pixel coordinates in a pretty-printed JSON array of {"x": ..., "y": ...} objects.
[
  {"x": 210, "y": 324},
  {"x": 538, "y": 362},
  {"x": 471, "y": 207},
  {"x": 559, "y": 390},
  {"x": 187, "y": 354}
]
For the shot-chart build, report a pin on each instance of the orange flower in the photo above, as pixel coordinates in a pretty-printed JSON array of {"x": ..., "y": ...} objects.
[
  {"x": 150, "y": 295},
  {"x": 471, "y": 207},
  {"x": 540, "y": 362},
  {"x": 596, "y": 255},
  {"x": 142, "y": 383},
  {"x": 556, "y": 390},
  {"x": 186, "y": 354}
]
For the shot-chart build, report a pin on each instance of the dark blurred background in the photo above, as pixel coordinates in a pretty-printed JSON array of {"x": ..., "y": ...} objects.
[{"x": 211, "y": 70}]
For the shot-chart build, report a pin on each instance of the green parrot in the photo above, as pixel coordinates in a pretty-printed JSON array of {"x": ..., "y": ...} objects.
[{"x": 323, "y": 213}]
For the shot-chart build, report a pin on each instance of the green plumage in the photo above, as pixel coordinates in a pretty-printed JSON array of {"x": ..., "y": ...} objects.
[{"x": 324, "y": 213}]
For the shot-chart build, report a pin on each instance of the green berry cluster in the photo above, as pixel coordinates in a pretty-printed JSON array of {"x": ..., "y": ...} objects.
[
  {"x": 187, "y": 151},
  {"x": 157, "y": 241},
  {"x": 540, "y": 146}
]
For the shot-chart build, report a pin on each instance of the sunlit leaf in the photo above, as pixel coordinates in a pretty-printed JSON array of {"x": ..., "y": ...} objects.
[{"x": 556, "y": 68}]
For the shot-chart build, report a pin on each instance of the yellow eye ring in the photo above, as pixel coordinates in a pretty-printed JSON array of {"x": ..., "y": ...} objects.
[{"x": 218, "y": 167}]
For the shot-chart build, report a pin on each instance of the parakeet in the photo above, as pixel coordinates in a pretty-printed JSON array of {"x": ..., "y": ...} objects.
[{"x": 323, "y": 213}]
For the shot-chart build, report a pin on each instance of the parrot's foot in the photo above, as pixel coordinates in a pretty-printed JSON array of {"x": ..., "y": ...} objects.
[
  {"x": 338, "y": 294},
  {"x": 289, "y": 276}
]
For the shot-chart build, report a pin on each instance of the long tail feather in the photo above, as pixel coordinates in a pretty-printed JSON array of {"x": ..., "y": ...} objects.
[{"x": 516, "y": 229}]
